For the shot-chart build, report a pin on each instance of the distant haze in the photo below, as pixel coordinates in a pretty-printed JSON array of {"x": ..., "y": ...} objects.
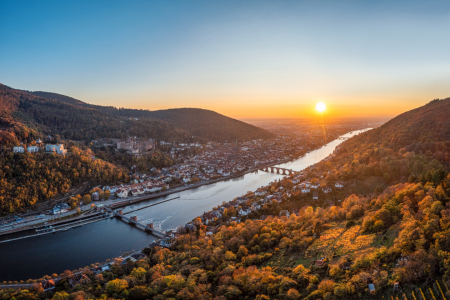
[{"x": 243, "y": 59}]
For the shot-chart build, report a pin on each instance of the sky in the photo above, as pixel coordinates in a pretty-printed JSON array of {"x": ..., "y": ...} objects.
[{"x": 244, "y": 59}]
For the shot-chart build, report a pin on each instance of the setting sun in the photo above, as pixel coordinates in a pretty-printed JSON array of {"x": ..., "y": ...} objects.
[{"x": 321, "y": 106}]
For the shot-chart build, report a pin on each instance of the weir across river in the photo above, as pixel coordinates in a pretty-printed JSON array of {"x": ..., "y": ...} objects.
[{"x": 133, "y": 221}]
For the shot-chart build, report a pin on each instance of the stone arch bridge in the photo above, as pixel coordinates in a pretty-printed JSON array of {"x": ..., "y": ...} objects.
[{"x": 278, "y": 170}]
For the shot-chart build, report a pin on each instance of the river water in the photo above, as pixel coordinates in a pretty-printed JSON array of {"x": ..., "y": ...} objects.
[{"x": 53, "y": 253}]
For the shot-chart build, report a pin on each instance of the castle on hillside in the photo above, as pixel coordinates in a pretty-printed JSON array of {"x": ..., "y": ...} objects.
[
  {"x": 132, "y": 145},
  {"x": 136, "y": 146}
]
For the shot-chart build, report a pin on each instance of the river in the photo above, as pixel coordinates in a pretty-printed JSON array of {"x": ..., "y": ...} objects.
[{"x": 53, "y": 253}]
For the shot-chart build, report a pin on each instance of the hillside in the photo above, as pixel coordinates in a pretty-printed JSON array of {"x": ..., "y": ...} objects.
[
  {"x": 61, "y": 98},
  {"x": 421, "y": 131},
  {"x": 392, "y": 225},
  {"x": 29, "y": 179},
  {"x": 429, "y": 123},
  {"x": 200, "y": 122},
  {"x": 203, "y": 123},
  {"x": 42, "y": 116}
]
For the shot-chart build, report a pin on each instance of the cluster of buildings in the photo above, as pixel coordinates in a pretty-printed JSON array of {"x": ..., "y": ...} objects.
[
  {"x": 132, "y": 145},
  {"x": 226, "y": 159},
  {"x": 138, "y": 187},
  {"x": 253, "y": 202},
  {"x": 57, "y": 148},
  {"x": 245, "y": 205},
  {"x": 176, "y": 146},
  {"x": 306, "y": 186},
  {"x": 222, "y": 160}
]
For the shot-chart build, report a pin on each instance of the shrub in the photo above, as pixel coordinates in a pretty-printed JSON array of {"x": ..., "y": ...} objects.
[
  {"x": 116, "y": 286},
  {"x": 350, "y": 224}
]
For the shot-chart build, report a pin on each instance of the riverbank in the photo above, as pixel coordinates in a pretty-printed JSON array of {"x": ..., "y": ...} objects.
[
  {"x": 116, "y": 203},
  {"x": 72, "y": 215}
]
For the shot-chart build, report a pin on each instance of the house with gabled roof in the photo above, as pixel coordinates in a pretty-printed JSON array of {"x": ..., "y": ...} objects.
[
  {"x": 48, "y": 285},
  {"x": 315, "y": 195},
  {"x": 79, "y": 279},
  {"x": 339, "y": 184},
  {"x": 326, "y": 189}
]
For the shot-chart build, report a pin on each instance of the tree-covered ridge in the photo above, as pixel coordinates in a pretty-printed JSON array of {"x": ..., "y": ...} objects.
[
  {"x": 61, "y": 98},
  {"x": 78, "y": 123},
  {"x": 203, "y": 123},
  {"x": 421, "y": 129},
  {"x": 26, "y": 179}
]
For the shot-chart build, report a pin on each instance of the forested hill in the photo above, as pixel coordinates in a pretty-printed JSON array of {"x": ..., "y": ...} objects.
[
  {"x": 62, "y": 98},
  {"x": 429, "y": 123},
  {"x": 424, "y": 130},
  {"x": 27, "y": 116},
  {"x": 203, "y": 123}
]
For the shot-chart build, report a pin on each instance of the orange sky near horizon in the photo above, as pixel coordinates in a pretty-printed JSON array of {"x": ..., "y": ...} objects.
[{"x": 254, "y": 109}]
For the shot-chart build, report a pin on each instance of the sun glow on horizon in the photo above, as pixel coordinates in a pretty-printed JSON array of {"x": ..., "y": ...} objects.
[{"x": 320, "y": 106}]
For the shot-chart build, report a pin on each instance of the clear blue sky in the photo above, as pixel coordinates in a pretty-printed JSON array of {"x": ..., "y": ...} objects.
[{"x": 241, "y": 58}]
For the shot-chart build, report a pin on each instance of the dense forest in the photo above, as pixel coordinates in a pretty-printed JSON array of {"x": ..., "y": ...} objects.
[
  {"x": 206, "y": 124},
  {"x": 158, "y": 159},
  {"x": 26, "y": 179}
]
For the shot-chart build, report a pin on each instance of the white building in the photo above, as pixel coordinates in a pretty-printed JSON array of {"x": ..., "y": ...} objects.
[
  {"x": 122, "y": 193},
  {"x": 244, "y": 212},
  {"x": 260, "y": 192},
  {"x": 33, "y": 149},
  {"x": 339, "y": 184},
  {"x": 18, "y": 149},
  {"x": 326, "y": 189},
  {"x": 315, "y": 186},
  {"x": 56, "y": 148},
  {"x": 305, "y": 190}
]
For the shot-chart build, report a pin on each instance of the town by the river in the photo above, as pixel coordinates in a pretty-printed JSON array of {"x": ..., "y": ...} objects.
[{"x": 53, "y": 253}]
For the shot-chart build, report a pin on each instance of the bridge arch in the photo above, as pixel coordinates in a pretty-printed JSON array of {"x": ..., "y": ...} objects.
[{"x": 278, "y": 170}]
